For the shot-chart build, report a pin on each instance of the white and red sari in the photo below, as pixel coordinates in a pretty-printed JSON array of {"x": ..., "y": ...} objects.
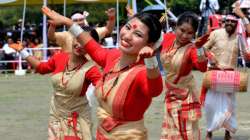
[{"x": 182, "y": 106}]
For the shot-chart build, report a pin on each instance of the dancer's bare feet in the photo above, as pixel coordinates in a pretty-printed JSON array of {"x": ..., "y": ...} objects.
[{"x": 209, "y": 136}]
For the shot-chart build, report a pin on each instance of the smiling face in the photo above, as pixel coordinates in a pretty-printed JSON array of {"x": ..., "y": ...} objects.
[
  {"x": 230, "y": 26},
  {"x": 133, "y": 37},
  {"x": 184, "y": 33}
]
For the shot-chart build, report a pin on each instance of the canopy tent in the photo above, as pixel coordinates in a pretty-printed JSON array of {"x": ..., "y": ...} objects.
[{"x": 40, "y": 2}]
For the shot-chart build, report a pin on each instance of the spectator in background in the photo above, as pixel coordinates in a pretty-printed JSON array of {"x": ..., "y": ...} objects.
[
  {"x": 9, "y": 53},
  {"x": 243, "y": 11},
  {"x": 1, "y": 55},
  {"x": 207, "y": 8},
  {"x": 37, "y": 44}
]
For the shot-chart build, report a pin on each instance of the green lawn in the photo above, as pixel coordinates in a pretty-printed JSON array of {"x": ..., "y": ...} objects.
[{"x": 24, "y": 102}]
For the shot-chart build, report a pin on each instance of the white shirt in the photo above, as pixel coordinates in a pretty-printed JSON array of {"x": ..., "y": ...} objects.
[{"x": 7, "y": 49}]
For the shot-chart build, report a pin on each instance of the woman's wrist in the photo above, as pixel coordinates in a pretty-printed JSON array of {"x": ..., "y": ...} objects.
[
  {"x": 151, "y": 62},
  {"x": 75, "y": 29},
  {"x": 69, "y": 22}
]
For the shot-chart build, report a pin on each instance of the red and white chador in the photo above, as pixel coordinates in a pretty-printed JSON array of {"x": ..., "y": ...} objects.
[
  {"x": 69, "y": 109},
  {"x": 182, "y": 106},
  {"x": 123, "y": 95}
]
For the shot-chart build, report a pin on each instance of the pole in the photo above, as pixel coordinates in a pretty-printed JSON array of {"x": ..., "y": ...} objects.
[
  {"x": 117, "y": 23},
  {"x": 64, "y": 12},
  {"x": 166, "y": 14},
  {"x": 20, "y": 71},
  {"x": 45, "y": 45}
]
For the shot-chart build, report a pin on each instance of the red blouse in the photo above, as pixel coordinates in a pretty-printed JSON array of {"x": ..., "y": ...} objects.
[
  {"x": 57, "y": 64},
  {"x": 142, "y": 89},
  {"x": 192, "y": 59}
]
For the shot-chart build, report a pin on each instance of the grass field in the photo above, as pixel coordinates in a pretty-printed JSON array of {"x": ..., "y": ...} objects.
[{"x": 24, "y": 102}]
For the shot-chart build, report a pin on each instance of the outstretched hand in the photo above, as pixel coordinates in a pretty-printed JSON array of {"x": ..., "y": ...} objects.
[
  {"x": 130, "y": 12},
  {"x": 56, "y": 18},
  {"x": 238, "y": 11},
  {"x": 145, "y": 52},
  {"x": 111, "y": 13}
]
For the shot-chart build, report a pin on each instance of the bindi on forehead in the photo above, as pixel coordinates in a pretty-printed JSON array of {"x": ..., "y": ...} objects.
[{"x": 134, "y": 26}]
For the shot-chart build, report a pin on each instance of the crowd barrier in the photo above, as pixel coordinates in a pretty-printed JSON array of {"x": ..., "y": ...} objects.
[{"x": 18, "y": 61}]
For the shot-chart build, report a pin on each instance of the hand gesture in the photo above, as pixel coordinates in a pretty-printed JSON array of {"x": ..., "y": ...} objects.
[
  {"x": 56, "y": 18},
  {"x": 238, "y": 11},
  {"x": 111, "y": 13},
  {"x": 145, "y": 52},
  {"x": 199, "y": 42},
  {"x": 130, "y": 12}
]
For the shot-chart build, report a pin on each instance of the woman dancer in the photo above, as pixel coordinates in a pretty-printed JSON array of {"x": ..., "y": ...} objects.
[
  {"x": 72, "y": 73},
  {"x": 179, "y": 55},
  {"x": 127, "y": 86}
]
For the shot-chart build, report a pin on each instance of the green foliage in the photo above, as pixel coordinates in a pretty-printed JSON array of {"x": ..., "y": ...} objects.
[
  {"x": 10, "y": 15},
  {"x": 180, "y": 6}
]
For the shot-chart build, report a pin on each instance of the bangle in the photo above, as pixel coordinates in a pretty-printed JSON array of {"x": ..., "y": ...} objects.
[
  {"x": 24, "y": 53},
  {"x": 151, "y": 62},
  {"x": 200, "y": 52},
  {"x": 245, "y": 20},
  {"x": 75, "y": 30}
]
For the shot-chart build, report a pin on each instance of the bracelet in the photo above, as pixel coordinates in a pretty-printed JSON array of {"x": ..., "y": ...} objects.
[
  {"x": 245, "y": 21},
  {"x": 24, "y": 53},
  {"x": 75, "y": 30},
  {"x": 200, "y": 52},
  {"x": 151, "y": 62}
]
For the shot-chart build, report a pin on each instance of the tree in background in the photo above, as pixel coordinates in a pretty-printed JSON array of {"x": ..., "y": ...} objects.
[{"x": 10, "y": 15}]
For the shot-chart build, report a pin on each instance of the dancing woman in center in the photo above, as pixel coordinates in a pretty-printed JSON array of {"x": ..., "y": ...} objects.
[
  {"x": 179, "y": 56},
  {"x": 131, "y": 77}
]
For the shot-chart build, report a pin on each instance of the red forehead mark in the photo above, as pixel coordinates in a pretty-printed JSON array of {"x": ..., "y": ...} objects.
[{"x": 134, "y": 26}]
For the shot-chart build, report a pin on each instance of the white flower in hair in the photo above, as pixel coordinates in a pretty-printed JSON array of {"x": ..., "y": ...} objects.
[{"x": 85, "y": 14}]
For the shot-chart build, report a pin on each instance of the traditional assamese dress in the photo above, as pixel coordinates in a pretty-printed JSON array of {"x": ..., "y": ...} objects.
[
  {"x": 182, "y": 106},
  {"x": 69, "y": 109},
  {"x": 220, "y": 106},
  {"x": 123, "y": 96}
]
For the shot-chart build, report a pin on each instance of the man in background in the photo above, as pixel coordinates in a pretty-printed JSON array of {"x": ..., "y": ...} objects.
[{"x": 207, "y": 8}]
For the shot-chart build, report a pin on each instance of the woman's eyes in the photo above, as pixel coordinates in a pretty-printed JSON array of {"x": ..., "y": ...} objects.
[
  {"x": 127, "y": 27},
  {"x": 184, "y": 31},
  {"x": 138, "y": 34}
]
